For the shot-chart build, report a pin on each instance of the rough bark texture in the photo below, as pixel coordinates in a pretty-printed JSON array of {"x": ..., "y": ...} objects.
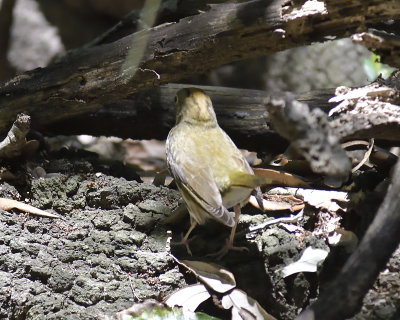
[
  {"x": 384, "y": 44},
  {"x": 88, "y": 79},
  {"x": 6, "y": 19},
  {"x": 312, "y": 137},
  {"x": 242, "y": 113},
  {"x": 151, "y": 114},
  {"x": 371, "y": 111}
]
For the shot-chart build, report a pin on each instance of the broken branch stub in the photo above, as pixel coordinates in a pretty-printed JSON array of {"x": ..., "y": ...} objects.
[
  {"x": 311, "y": 136},
  {"x": 13, "y": 144}
]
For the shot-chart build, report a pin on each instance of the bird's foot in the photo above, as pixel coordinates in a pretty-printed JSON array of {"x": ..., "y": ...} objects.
[
  {"x": 185, "y": 242},
  {"x": 225, "y": 249}
]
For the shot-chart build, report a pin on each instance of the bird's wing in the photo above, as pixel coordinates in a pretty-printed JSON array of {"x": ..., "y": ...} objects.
[
  {"x": 201, "y": 210},
  {"x": 238, "y": 156},
  {"x": 200, "y": 192}
]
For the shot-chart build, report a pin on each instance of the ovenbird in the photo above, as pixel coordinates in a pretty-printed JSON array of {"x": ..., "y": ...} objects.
[{"x": 211, "y": 173}]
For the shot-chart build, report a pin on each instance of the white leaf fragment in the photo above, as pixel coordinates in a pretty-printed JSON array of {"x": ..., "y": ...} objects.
[
  {"x": 307, "y": 263},
  {"x": 189, "y": 298},
  {"x": 214, "y": 276},
  {"x": 345, "y": 238},
  {"x": 244, "y": 307},
  {"x": 326, "y": 199}
]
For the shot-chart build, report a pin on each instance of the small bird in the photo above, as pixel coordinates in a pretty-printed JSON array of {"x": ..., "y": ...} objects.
[{"x": 211, "y": 173}]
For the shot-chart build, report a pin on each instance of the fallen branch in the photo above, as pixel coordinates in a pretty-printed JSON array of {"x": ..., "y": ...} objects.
[
  {"x": 241, "y": 112},
  {"x": 91, "y": 78},
  {"x": 371, "y": 111},
  {"x": 292, "y": 219},
  {"x": 312, "y": 137}
]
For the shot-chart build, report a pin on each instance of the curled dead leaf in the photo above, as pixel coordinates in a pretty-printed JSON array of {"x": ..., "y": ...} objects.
[
  {"x": 244, "y": 307},
  {"x": 326, "y": 199},
  {"x": 279, "y": 203},
  {"x": 281, "y": 178},
  {"x": 213, "y": 275},
  {"x": 8, "y": 204}
]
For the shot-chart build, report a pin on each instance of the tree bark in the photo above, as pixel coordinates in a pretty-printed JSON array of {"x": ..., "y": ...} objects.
[
  {"x": 6, "y": 20},
  {"x": 241, "y": 113},
  {"x": 92, "y": 78},
  {"x": 382, "y": 43}
]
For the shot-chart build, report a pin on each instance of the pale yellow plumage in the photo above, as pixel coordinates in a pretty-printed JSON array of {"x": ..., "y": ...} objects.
[{"x": 211, "y": 173}]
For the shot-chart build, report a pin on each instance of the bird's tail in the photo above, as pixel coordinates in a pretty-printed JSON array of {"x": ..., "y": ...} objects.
[{"x": 247, "y": 180}]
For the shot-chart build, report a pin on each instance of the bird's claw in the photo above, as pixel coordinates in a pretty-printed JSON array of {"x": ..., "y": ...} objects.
[
  {"x": 225, "y": 249},
  {"x": 185, "y": 242}
]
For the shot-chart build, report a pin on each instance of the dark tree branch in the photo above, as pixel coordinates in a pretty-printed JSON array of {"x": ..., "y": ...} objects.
[
  {"x": 363, "y": 266},
  {"x": 91, "y": 78},
  {"x": 151, "y": 114},
  {"x": 6, "y": 19},
  {"x": 242, "y": 113},
  {"x": 371, "y": 111},
  {"x": 169, "y": 11}
]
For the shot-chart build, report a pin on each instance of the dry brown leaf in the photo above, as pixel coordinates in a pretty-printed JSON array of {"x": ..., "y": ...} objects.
[
  {"x": 281, "y": 178},
  {"x": 279, "y": 203},
  {"x": 280, "y": 160},
  {"x": 366, "y": 156},
  {"x": 378, "y": 156},
  {"x": 8, "y": 204},
  {"x": 213, "y": 275},
  {"x": 327, "y": 199}
]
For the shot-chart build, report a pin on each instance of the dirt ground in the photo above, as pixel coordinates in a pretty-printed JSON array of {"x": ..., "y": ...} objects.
[{"x": 112, "y": 238}]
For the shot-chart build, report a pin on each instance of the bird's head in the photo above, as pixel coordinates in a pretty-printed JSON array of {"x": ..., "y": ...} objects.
[{"x": 194, "y": 106}]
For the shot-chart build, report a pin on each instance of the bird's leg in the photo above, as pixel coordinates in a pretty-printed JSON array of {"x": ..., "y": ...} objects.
[
  {"x": 185, "y": 240},
  {"x": 229, "y": 242},
  {"x": 233, "y": 231}
]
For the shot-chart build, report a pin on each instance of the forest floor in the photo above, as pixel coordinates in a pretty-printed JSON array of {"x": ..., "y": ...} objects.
[{"x": 109, "y": 248}]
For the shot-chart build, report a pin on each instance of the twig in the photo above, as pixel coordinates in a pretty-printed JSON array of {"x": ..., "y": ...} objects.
[
  {"x": 366, "y": 156},
  {"x": 8, "y": 204},
  {"x": 291, "y": 219},
  {"x": 12, "y": 146},
  {"x": 131, "y": 284}
]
